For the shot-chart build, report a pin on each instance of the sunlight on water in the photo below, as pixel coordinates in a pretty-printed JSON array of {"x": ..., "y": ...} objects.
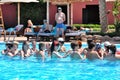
[{"x": 62, "y": 69}]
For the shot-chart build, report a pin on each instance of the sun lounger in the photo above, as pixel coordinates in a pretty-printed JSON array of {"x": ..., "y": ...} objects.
[
  {"x": 75, "y": 34},
  {"x": 13, "y": 30},
  {"x": 30, "y": 34},
  {"x": 38, "y": 33},
  {"x": 45, "y": 35}
]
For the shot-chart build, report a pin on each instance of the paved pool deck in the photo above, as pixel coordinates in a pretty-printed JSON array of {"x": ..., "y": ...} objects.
[{"x": 22, "y": 38}]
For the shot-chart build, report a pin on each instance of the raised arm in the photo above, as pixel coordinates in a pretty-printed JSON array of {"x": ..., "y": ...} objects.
[{"x": 57, "y": 54}]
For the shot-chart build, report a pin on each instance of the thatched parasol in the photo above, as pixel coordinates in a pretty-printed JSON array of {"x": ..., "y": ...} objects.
[
  {"x": 66, "y": 1},
  {"x": 17, "y": 1}
]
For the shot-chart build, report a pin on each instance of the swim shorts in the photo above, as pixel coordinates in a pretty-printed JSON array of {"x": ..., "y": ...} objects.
[{"x": 60, "y": 25}]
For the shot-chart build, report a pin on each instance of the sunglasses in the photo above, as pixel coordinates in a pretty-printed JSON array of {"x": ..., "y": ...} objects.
[{"x": 59, "y": 9}]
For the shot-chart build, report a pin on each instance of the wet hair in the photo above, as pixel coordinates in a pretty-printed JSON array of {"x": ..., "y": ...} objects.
[
  {"x": 113, "y": 48},
  {"x": 79, "y": 43},
  {"x": 9, "y": 45},
  {"x": 41, "y": 45},
  {"x": 54, "y": 43},
  {"x": 89, "y": 41},
  {"x": 74, "y": 45},
  {"x": 25, "y": 47},
  {"x": 107, "y": 48},
  {"x": 91, "y": 45}
]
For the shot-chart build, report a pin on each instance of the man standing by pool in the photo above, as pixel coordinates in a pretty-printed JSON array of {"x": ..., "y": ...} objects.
[{"x": 60, "y": 18}]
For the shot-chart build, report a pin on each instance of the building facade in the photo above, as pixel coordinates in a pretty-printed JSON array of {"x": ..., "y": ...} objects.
[
  {"x": 76, "y": 13},
  {"x": 81, "y": 12}
]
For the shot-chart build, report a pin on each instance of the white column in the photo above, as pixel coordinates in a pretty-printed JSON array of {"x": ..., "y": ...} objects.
[
  {"x": 47, "y": 11},
  {"x": 71, "y": 14},
  {"x": 18, "y": 13},
  {"x": 68, "y": 14}
]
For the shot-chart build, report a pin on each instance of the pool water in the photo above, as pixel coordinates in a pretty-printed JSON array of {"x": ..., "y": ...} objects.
[{"x": 62, "y": 69}]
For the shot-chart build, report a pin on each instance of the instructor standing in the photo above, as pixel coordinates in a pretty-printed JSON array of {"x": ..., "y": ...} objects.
[{"x": 60, "y": 18}]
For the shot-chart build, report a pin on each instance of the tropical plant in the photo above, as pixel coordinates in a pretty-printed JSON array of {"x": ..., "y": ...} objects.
[{"x": 116, "y": 12}]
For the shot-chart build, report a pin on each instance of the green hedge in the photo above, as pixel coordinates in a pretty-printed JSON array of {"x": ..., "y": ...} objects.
[
  {"x": 92, "y": 26},
  {"x": 87, "y": 25},
  {"x": 95, "y": 27},
  {"x": 103, "y": 34}
]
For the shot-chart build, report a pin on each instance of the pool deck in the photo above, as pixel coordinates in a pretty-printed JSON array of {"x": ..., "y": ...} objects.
[{"x": 22, "y": 38}]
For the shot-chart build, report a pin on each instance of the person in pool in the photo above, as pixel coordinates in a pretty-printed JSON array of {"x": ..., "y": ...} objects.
[
  {"x": 48, "y": 46},
  {"x": 41, "y": 53},
  {"x": 15, "y": 50},
  {"x": 111, "y": 52},
  {"x": 61, "y": 45},
  {"x": 90, "y": 52},
  {"x": 74, "y": 54},
  {"x": 54, "y": 49},
  {"x": 99, "y": 49},
  {"x": 11, "y": 49},
  {"x": 8, "y": 47},
  {"x": 80, "y": 49},
  {"x": 26, "y": 51},
  {"x": 107, "y": 45},
  {"x": 34, "y": 49},
  {"x": 8, "y": 50}
]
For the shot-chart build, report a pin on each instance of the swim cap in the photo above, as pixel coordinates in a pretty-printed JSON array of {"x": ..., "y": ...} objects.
[
  {"x": 98, "y": 46},
  {"x": 106, "y": 43},
  {"x": 60, "y": 39}
]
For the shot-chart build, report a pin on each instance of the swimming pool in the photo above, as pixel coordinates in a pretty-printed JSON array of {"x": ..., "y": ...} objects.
[{"x": 63, "y": 69}]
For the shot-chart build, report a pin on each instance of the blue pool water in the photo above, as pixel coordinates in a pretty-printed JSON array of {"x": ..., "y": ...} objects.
[{"x": 63, "y": 69}]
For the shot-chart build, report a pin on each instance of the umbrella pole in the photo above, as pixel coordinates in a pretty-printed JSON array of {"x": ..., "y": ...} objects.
[
  {"x": 71, "y": 14},
  {"x": 47, "y": 11},
  {"x": 18, "y": 13}
]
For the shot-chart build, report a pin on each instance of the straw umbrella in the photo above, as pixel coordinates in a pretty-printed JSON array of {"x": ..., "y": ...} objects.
[{"x": 18, "y": 4}]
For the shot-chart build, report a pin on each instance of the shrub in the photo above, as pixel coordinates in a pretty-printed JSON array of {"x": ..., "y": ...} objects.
[{"x": 95, "y": 27}]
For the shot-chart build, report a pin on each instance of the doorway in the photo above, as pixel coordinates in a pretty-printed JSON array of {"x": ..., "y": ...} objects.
[{"x": 91, "y": 14}]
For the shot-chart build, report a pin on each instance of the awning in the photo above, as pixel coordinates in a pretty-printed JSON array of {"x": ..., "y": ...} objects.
[
  {"x": 17, "y": 1},
  {"x": 11, "y": 1}
]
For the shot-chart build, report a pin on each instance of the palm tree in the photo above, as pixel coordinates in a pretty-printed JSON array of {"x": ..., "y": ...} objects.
[{"x": 103, "y": 16}]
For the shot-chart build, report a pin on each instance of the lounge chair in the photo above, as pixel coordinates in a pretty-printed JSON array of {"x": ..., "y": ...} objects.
[
  {"x": 74, "y": 34},
  {"x": 34, "y": 33},
  {"x": 13, "y": 31},
  {"x": 37, "y": 32},
  {"x": 49, "y": 35}
]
